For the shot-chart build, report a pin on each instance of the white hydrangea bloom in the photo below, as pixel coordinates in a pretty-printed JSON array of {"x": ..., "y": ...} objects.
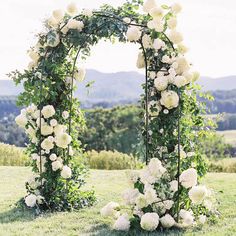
[
  {"x": 72, "y": 9},
  {"x": 169, "y": 99},
  {"x": 21, "y": 120},
  {"x": 47, "y": 144},
  {"x": 149, "y": 221},
  {"x": 46, "y": 130},
  {"x": 175, "y": 37},
  {"x": 161, "y": 83},
  {"x": 130, "y": 196},
  {"x": 56, "y": 165},
  {"x": 48, "y": 111},
  {"x": 53, "y": 157},
  {"x": 167, "y": 221},
  {"x": 197, "y": 194},
  {"x": 156, "y": 12},
  {"x": 155, "y": 168},
  {"x": 122, "y": 223},
  {"x": 148, "y": 5},
  {"x": 58, "y": 14},
  {"x": 110, "y": 209},
  {"x": 63, "y": 140},
  {"x": 30, "y": 200},
  {"x": 141, "y": 201},
  {"x": 133, "y": 33},
  {"x": 75, "y": 24},
  {"x": 147, "y": 41},
  {"x": 66, "y": 172},
  {"x": 202, "y": 219},
  {"x": 188, "y": 178},
  {"x": 187, "y": 217},
  {"x": 172, "y": 22}
]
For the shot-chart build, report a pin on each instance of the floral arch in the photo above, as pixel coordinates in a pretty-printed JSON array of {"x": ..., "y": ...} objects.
[{"x": 167, "y": 189}]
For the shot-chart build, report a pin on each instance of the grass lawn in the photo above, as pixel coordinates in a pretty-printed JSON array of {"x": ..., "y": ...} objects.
[{"x": 108, "y": 186}]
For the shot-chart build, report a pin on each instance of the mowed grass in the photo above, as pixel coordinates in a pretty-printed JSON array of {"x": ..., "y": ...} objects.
[
  {"x": 229, "y": 135},
  {"x": 108, "y": 186}
]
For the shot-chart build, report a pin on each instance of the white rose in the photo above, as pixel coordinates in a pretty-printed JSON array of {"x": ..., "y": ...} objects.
[
  {"x": 168, "y": 204},
  {"x": 146, "y": 177},
  {"x": 167, "y": 221},
  {"x": 188, "y": 178},
  {"x": 48, "y": 111},
  {"x": 148, "y": 5},
  {"x": 152, "y": 75},
  {"x": 197, "y": 194},
  {"x": 65, "y": 114},
  {"x": 63, "y": 140},
  {"x": 187, "y": 217},
  {"x": 75, "y": 24},
  {"x": 183, "y": 154},
  {"x": 30, "y": 200},
  {"x": 150, "y": 195},
  {"x": 31, "y": 132},
  {"x": 87, "y": 12},
  {"x": 172, "y": 22},
  {"x": 183, "y": 65},
  {"x": 158, "y": 44},
  {"x": 122, "y": 223},
  {"x": 141, "y": 201},
  {"x": 33, "y": 183},
  {"x": 56, "y": 165},
  {"x": 176, "y": 8},
  {"x": 133, "y": 33},
  {"x": 127, "y": 20},
  {"x": 147, "y": 41},
  {"x": 182, "y": 48},
  {"x": 180, "y": 81},
  {"x": 110, "y": 209},
  {"x": 161, "y": 83},
  {"x": 130, "y": 196},
  {"x": 72, "y": 9},
  {"x": 166, "y": 59},
  {"x": 156, "y": 12},
  {"x": 58, "y": 14},
  {"x": 156, "y": 24},
  {"x": 36, "y": 114},
  {"x": 59, "y": 129},
  {"x": 53, "y": 122},
  {"x": 80, "y": 74},
  {"x": 149, "y": 221},
  {"x": 155, "y": 167},
  {"x": 53, "y": 157},
  {"x": 46, "y": 130},
  {"x": 21, "y": 120},
  {"x": 175, "y": 37},
  {"x": 140, "y": 61},
  {"x": 66, "y": 172},
  {"x": 169, "y": 99},
  {"x": 34, "y": 156},
  {"x": 47, "y": 144},
  {"x": 202, "y": 219}
]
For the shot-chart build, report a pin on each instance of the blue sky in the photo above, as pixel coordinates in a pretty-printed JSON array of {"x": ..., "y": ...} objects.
[{"x": 208, "y": 27}]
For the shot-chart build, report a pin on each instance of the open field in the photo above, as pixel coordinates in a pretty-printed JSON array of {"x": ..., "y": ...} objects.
[
  {"x": 108, "y": 186},
  {"x": 230, "y": 136}
]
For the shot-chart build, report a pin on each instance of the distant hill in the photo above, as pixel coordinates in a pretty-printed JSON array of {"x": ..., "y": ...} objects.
[{"x": 120, "y": 86}]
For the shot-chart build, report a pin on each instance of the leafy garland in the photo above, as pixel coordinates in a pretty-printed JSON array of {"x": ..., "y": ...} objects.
[{"x": 166, "y": 189}]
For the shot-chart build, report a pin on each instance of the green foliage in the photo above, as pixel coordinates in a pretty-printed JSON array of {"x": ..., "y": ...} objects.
[
  {"x": 112, "y": 160},
  {"x": 227, "y": 165},
  {"x": 12, "y": 156}
]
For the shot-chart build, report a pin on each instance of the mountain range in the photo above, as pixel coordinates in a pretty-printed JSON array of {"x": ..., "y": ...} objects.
[{"x": 120, "y": 86}]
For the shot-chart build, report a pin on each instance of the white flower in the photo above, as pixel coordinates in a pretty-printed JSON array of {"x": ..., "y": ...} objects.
[
  {"x": 175, "y": 37},
  {"x": 156, "y": 24},
  {"x": 79, "y": 74},
  {"x": 110, "y": 209},
  {"x": 33, "y": 183},
  {"x": 150, "y": 195},
  {"x": 183, "y": 65},
  {"x": 147, "y": 41},
  {"x": 72, "y": 9},
  {"x": 34, "y": 156},
  {"x": 54, "y": 40},
  {"x": 56, "y": 165},
  {"x": 187, "y": 217},
  {"x": 133, "y": 33},
  {"x": 34, "y": 56},
  {"x": 31, "y": 132},
  {"x": 197, "y": 194},
  {"x": 58, "y": 14},
  {"x": 149, "y": 221},
  {"x": 140, "y": 61},
  {"x": 202, "y": 219},
  {"x": 188, "y": 178},
  {"x": 36, "y": 114},
  {"x": 122, "y": 223},
  {"x": 152, "y": 75},
  {"x": 158, "y": 44},
  {"x": 64, "y": 29},
  {"x": 52, "y": 22},
  {"x": 155, "y": 167},
  {"x": 179, "y": 81},
  {"x": 75, "y": 24},
  {"x": 182, "y": 48},
  {"x": 38, "y": 121},
  {"x": 48, "y": 111},
  {"x": 63, "y": 140},
  {"x": 161, "y": 83},
  {"x": 71, "y": 151},
  {"x": 146, "y": 177},
  {"x": 66, "y": 172},
  {"x": 65, "y": 114},
  {"x": 176, "y": 8},
  {"x": 148, "y": 5},
  {"x": 156, "y": 12},
  {"x": 167, "y": 221},
  {"x": 59, "y": 129},
  {"x": 183, "y": 154},
  {"x": 166, "y": 59},
  {"x": 130, "y": 196},
  {"x": 30, "y": 200},
  {"x": 127, "y": 20},
  {"x": 172, "y": 22},
  {"x": 87, "y": 12},
  {"x": 53, "y": 122},
  {"x": 53, "y": 157},
  {"x": 21, "y": 120},
  {"x": 169, "y": 99},
  {"x": 168, "y": 204},
  {"x": 46, "y": 130},
  {"x": 141, "y": 201},
  {"x": 47, "y": 144}
]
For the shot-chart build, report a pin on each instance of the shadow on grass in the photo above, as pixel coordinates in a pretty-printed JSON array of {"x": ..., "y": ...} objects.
[{"x": 103, "y": 229}]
